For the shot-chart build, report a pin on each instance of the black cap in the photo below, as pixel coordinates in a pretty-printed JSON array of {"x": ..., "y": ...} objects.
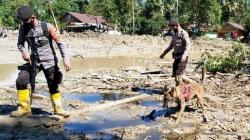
[
  {"x": 24, "y": 12},
  {"x": 173, "y": 21}
]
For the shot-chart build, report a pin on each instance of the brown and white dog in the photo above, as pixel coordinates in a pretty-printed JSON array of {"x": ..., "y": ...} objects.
[{"x": 182, "y": 93}]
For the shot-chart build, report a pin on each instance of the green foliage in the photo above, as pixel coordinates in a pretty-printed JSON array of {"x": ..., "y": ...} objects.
[
  {"x": 148, "y": 16},
  {"x": 234, "y": 10},
  {"x": 201, "y": 11},
  {"x": 236, "y": 56},
  {"x": 106, "y": 8},
  {"x": 247, "y": 22},
  {"x": 151, "y": 26},
  {"x": 8, "y": 11},
  {"x": 153, "y": 20}
]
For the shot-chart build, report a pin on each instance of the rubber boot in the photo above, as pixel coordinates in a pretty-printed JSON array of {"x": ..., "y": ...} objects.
[
  {"x": 24, "y": 108},
  {"x": 56, "y": 101}
]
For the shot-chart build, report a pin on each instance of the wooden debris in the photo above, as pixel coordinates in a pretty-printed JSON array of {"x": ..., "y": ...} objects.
[
  {"x": 38, "y": 96},
  {"x": 156, "y": 71},
  {"x": 110, "y": 104},
  {"x": 32, "y": 121}
]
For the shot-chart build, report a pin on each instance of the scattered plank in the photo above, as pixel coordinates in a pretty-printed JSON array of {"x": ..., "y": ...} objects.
[
  {"x": 110, "y": 104},
  {"x": 32, "y": 121},
  {"x": 156, "y": 71}
]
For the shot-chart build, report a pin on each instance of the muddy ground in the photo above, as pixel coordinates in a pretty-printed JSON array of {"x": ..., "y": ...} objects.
[{"x": 107, "y": 71}]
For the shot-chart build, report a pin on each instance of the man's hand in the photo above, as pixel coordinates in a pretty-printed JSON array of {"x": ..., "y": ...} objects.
[
  {"x": 26, "y": 56},
  {"x": 67, "y": 66}
]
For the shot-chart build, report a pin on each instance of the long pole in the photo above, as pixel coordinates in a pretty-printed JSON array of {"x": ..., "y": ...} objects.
[
  {"x": 177, "y": 5},
  {"x": 51, "y": 10},
  {"x": 133, "y": 9},
  {"x": 161, "y": 4}
]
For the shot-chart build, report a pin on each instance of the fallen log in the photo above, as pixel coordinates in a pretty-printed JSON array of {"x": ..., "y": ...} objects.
[
  {"x": 110, "y": 104},
  {"x": 156, "y": 71},
  {"x": 148, "y": 76},
  {"x": 32, "y": 121},
  {"x": 76, "y": 90}
]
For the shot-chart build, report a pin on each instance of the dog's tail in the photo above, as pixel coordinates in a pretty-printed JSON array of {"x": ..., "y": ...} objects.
[
  {"x": 203, "y": 71},
  {"x": 203, "y": 74}
]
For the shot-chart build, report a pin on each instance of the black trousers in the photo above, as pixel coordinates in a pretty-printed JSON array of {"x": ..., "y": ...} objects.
[
  {"x": 179, "y": 67},
  {"x": 52, "y": 75}
]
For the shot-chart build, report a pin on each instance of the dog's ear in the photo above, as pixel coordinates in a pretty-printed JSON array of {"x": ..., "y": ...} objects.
[
  {"x": 166, "y": 89},
  {"x": 171, "y": 91}
]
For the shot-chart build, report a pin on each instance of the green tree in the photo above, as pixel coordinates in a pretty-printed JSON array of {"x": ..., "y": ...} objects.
[
  {"x": 152, "y": 21},
  {"x": 202, "y": 11},
  {"x": 105, "y": 8},
  {"x": 233, "y": 10},
  {"x": 8, "y": 12},
  {"x": 41, "y": 9},
  {"x": 129, "y": 14},
  {"x": 82, "y": 5}
]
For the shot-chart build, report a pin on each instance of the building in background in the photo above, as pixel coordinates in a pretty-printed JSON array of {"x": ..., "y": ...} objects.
[
  {"x": 78, "y": 22},
  {"x": 229, "y": 30}
]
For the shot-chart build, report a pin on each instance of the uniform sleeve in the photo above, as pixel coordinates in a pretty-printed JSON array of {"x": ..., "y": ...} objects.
[
  {"x": 21, "y": 40},
  {"x": 167, "y": 49},
  {"x": 171, "y": 45},
  {"x": 188, "y": 44},
  {"x": 55, "y": 36}
]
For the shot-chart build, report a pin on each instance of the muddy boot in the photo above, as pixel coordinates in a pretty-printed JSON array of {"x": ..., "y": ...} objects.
[
  {"x": 24, "y": 108},
  {"x": 56, "y": 101}
]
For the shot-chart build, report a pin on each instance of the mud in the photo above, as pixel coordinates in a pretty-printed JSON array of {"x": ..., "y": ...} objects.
[{"x": 110, "y": 68}]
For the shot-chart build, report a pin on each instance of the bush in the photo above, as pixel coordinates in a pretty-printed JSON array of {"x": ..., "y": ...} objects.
[{"x": 234, "y": 61}]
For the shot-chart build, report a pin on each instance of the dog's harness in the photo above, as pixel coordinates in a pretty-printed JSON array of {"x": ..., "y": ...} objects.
[{"x": 186, "y": 92}]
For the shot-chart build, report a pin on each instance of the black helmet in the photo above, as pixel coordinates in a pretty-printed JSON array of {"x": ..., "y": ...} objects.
[
  {"x": 24, "y": 12},
  {"x": 173, "y": 22}
]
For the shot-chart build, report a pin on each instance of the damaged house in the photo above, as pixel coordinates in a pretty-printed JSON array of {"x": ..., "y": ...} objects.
[
  {"x": 229, "y": 27},
  {"x": 78, "y": 22}
]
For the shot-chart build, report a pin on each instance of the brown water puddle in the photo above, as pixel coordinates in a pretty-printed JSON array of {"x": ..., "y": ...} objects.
[
  {"x": 112, "y": 63},
  {"x": 8, "y": 72}
]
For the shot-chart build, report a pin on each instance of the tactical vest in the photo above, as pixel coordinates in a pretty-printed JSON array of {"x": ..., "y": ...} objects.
[
  {"x": 40, "y": 44},
  {"x": 180, "y": 45}
]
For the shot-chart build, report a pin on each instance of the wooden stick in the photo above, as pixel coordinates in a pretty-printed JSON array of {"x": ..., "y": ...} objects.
[
  {"x": 156, "y": 71},
  {"x": 51, "y": 10},
  {"x": 110, "y": 104}
]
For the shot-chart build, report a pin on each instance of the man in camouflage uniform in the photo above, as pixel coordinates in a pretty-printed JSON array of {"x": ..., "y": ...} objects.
[
  {"x": 46, "y": 60},
  {"x": 181, "y": 44}
]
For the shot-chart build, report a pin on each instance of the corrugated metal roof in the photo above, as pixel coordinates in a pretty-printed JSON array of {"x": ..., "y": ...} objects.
[
  {"x": 85, "y": 18},
  {"x": 236, "y": 25}
]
